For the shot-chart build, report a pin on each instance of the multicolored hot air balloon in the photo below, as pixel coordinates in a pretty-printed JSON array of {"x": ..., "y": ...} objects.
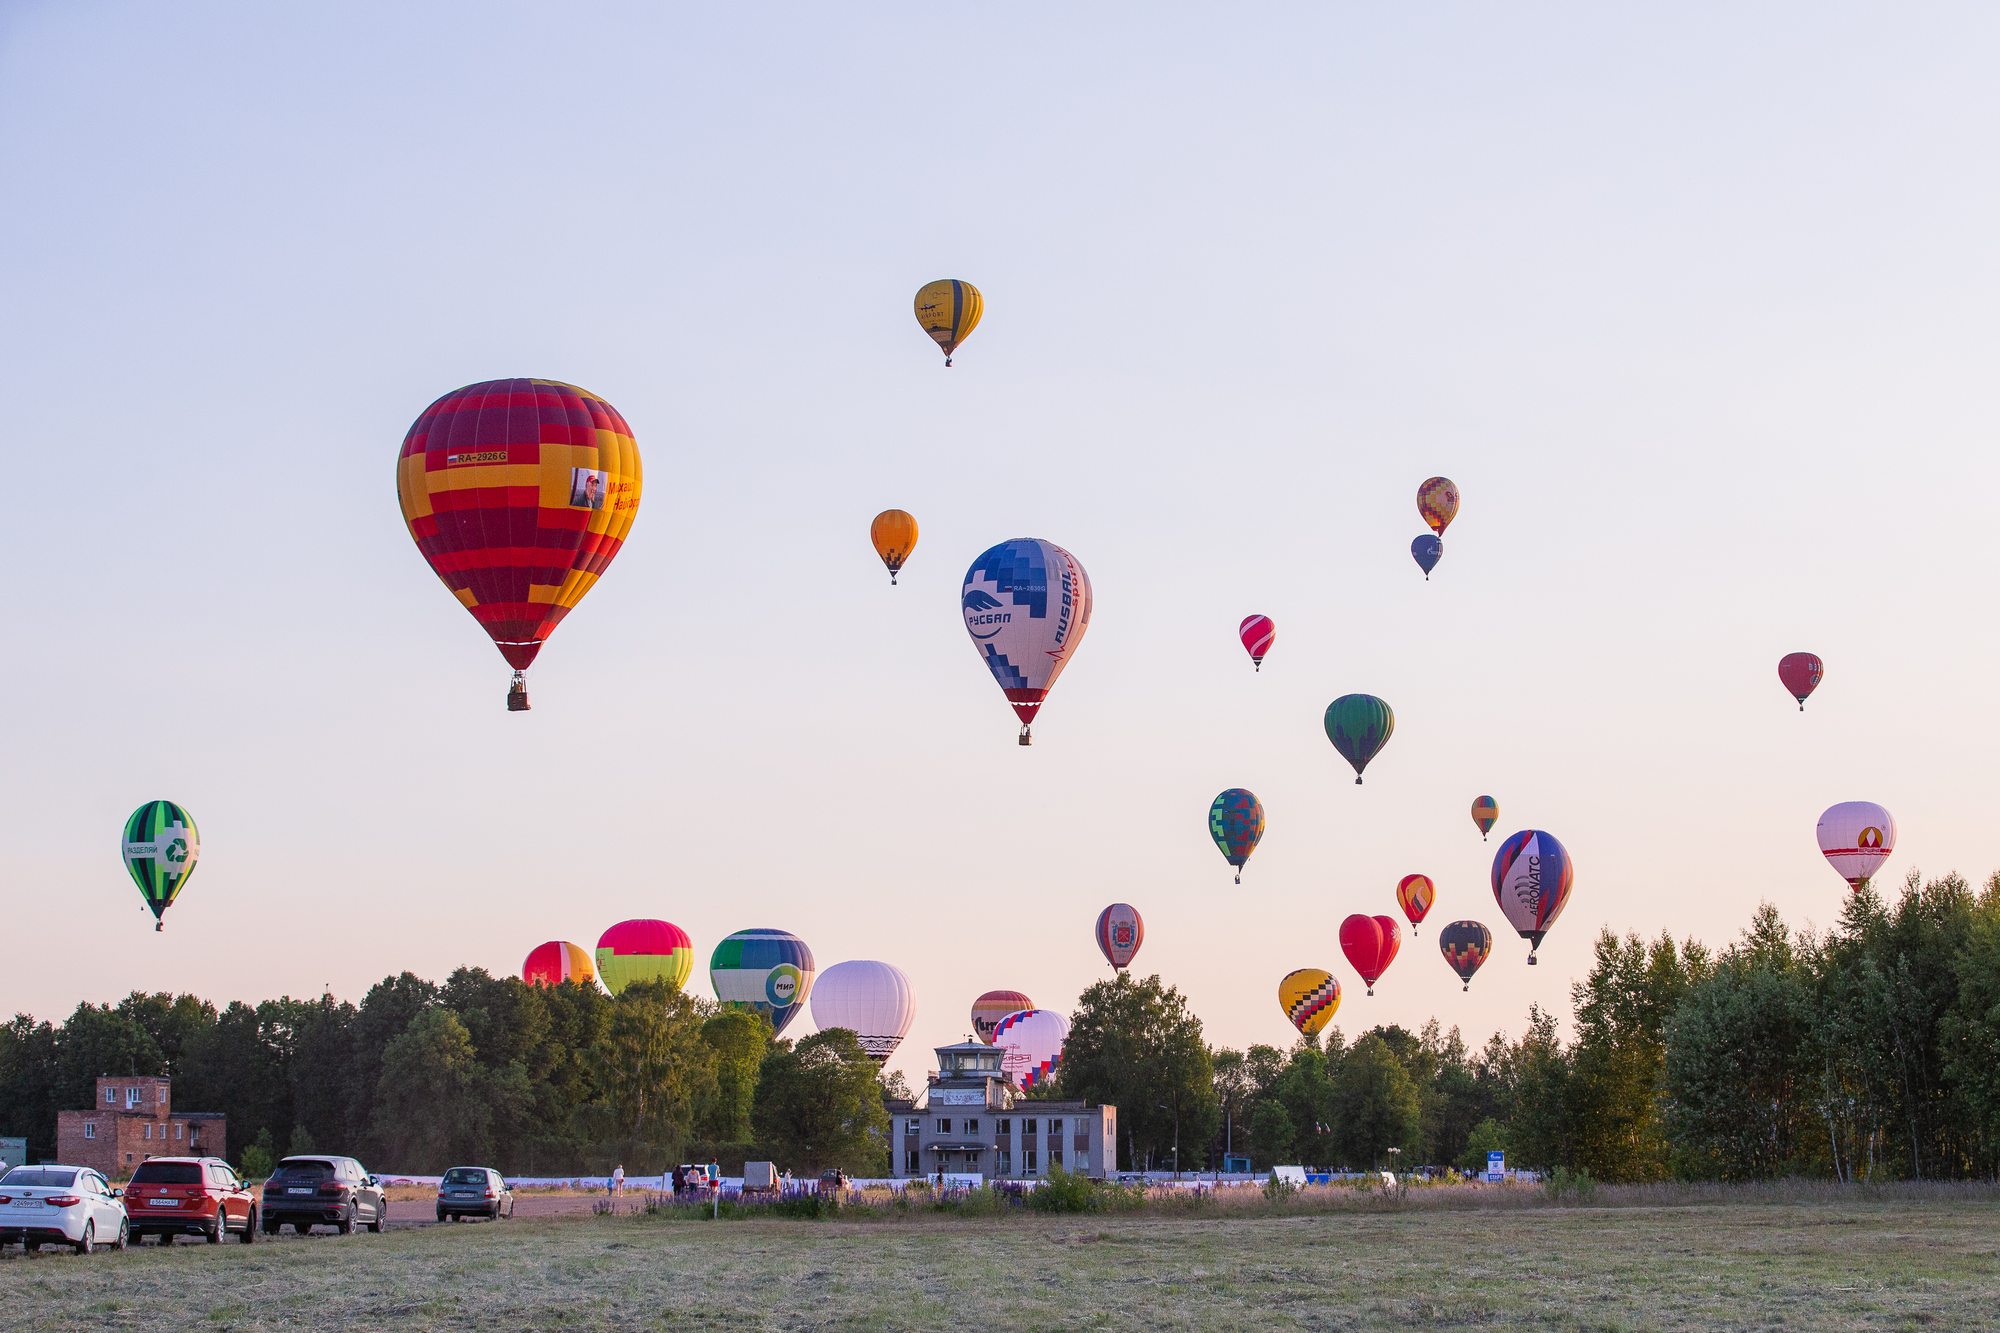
[
  {"x": 872, "y": 1000},
  {"x": 1258, "y": 633},
  {"x": 1532, "y": 877},
  {"x": 769, "y": 971},
  {"x": 1026, "y": 605},
  {"x": 1485, "y": 813},
  {"x": 1800, "y": 673},
  {"x": 160, "y": 846},
  {"x": 1437, "y": 501},
  {"x": 949, "y": 311},
  {"x": 1370, "y": 943},
  {"x": 994, "y": 1005},
  {"x": 894, "y": 533},
  {"x": 644, "y": 950},
  {"x": 1033, "y": 1040},
  {"x": 1359, "y": 725},
  {"x": 555, "y": 962},
  {"x": 1120, "y": 932},
  {"x": 1414, "y": 894},
  {"x": 1236, "y": 822},
  {"x": 519, "y": 493},
  {"x": 1309, "y": 997},
  {"x": 1427, "y": 550},
  {"x": 1856, "y": 837},
  {"x": 1465, "y": 945}
]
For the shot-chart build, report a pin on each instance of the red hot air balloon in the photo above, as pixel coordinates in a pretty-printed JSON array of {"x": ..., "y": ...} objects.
[
  {"x": 1414, "y": 894},
  {"x": 1258, "y": 634},
  {"x": 1370, "y": 943},
  {"x": 1800, "y": 673},
  {"x": 1120, "y": 932}
]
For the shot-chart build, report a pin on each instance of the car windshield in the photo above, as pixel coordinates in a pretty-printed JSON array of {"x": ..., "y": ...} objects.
[
  {"x": 308, "y": 1169},
  {"x": 464, "y": 1175},
  {"x": 39, "y": 1176},
  {"x": 167, "y": 1173}
]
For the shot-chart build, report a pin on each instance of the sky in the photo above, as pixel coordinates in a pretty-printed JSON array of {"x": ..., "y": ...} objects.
[{"x": 1695, "y": 305}]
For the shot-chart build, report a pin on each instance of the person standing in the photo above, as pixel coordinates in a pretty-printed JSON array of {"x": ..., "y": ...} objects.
[
  {"x": 618, "y": 1180},
  {"x": 715, "y": 1175}
]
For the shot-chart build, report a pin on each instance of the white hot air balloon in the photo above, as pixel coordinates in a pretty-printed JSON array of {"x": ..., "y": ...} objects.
[
  {"x": 872, "y": 1000},
  {"x": 1033, "y": 1040},
  {"x": 1856, "y": 837}
]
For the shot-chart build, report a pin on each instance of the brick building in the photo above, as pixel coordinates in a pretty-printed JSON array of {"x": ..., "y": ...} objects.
[
  {"x": 132, "y": 1120},
  {"x": 970, "y": 1120}
]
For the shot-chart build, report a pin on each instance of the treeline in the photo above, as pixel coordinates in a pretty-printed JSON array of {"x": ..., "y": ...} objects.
[
  {"x": 484, "y": 1069},
  {"x": 1870, "y": 1051}
]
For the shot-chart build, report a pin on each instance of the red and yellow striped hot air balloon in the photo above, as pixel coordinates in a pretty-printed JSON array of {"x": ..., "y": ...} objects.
[
  {"x": 519, "y": 493},
  {"x": 557, "y": 961}
]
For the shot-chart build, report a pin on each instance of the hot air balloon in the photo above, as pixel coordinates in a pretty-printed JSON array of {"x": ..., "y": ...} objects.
[
  {"x": 870, "y": 999},
  {"x": 644, "y": 950},
  {"x": 1258, "y": 634},
  {"x": 1120, "y": 932},
  {"x": 1427, "y": 550},
  {"x": 1236, "y": 822},
  {"x": 1437, "y": 501},
  {"x": 994, "y": 1005},
  {"x": 1359, "y": 725},
  {"x": 1414, "y": 893},
  {"x": 1532, "y": 875},
  {"x": 1033, "y": 1040},
  {"x": 1370, "y": 943},
  {"x": 1485, "y": 813},
  {"x": 160, "y": 847},
  {"x": 519, "y": 493},
  {"x": 1856, "y": 837},
  {"x": 949, "y": 311},
  {"x": 770, "y": 971},
  {"x": 1309, "y": 997},
  {"x": 1800, "y": 673},
  {"x": 1465, "y": 945},
  {"x": 1026, "y": 604},
  {"x": 555, "y": 962},
  {"x": 894, "y": 533}
]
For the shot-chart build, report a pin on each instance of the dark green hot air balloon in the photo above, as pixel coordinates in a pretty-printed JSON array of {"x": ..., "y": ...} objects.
[
  {"x": 160, "y": 847},
  {"x": 1359, "y": 725}
]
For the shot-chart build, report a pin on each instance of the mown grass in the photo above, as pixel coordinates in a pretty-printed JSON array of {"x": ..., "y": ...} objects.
[{"x": 1924, "y": 1258}]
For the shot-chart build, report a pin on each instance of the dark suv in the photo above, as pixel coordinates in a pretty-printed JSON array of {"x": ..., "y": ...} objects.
[
  {"x": 189, "y": 1196},
  {"x": 310, "y": 1191}
]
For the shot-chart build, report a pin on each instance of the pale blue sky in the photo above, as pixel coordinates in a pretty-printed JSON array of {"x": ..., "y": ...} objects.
[{"x": 1694, "y": 302}]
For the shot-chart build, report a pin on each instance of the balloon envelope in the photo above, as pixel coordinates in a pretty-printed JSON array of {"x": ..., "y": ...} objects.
[
  {"x": 1359, "y": 725},
  {"x": 994, "y": 1005},
  {"x": 1532, "y": 876},
  {"x": 1800, "y": 673},
  {"x": 949, "y": 310},
  {"x": 1033, "y": 1040},
  {"x": 1414, "y": 894},
  {"x": 1427, "y": 550},
  {"x": 1120, "y": 932},
  {"x": 872, "y": 1000},
  {"x": 160, "y": 847},
  {"x": 894, "y": 533},
  {"x": 1465, "y": 945},
  {"x": 770, "y": 971},
  {"x": 1257, "y": 634},
  {"x": 555, "y": 962},
  {"x": 644, "y": 950},
  {"x": 1437, "y": 501},
  {"x": 1485, "y": 813},
  {"x": 1370, "y": 943},
  {"x": 1236, "y": 822},
  {"x": 520, "y": 494},
  {"x": 1309, "y": 998},
  {"x": 1856, "y": 837},
  {"x": 1026, "y": 604}
]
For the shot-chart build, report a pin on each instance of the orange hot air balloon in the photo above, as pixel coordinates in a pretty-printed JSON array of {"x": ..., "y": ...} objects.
[
  {"x": 557, "y": 961},
  {"x": 894, "y": 533},
  {"x": 1415, "y": 893},
  {"x": 519, "y": 493},
  {"x": 1437, "y": 501}
]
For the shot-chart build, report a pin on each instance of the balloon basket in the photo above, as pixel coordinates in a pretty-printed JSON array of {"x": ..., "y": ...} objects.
[
  {"x": 1357, "y": 781},
  {"x": 1467, "y": 988},
  {"x": 159, "y": 925},
  {"x": 517, "y": 694},
  {"x": 1027, "y": 738},
  {"x": 1532, "y": 960},
  {"x": 1239, "y": 877}
]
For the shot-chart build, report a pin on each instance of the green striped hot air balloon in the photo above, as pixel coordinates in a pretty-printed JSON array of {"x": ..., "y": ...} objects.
[
  {"x": 1359, "y": 725},
  {"x": 160, "y": 847}
]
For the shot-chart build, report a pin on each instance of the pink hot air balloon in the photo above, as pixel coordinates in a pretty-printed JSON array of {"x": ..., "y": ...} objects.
[
  {"x": 1370, "y": 943},
  {"x": 1800, "y": 673},
  {"x": 557, "y": 961},
  {"x": 1258, "y": 634},
  {"x": 1120, "y": 932},
  {"x": 1856, "y": 837}
]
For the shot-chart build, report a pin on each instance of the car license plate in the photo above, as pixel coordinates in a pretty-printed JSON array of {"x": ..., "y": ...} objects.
[
  {"x": 27, "y": 1203},
  {"x": 161, "y": 1203},
  {"x": 301, "y": 1190}
]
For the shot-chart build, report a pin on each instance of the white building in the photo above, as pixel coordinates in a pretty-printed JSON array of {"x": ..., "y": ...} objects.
[{"x": 972, "y": 1121}]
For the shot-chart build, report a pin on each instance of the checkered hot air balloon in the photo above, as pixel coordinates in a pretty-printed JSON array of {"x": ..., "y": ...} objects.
[
  {"x": 1033, "y": 1040},
  {"x": 1437, "y": 501},
  {"x": 160, "y": 847},
  {"x": 1465, "y": 945},
  {"x": 1309, "y": 998},
  {"x": 1026, "y": 604},
  {"x": 520, "y": 494},
  {"x": 1236, "y": 823}
]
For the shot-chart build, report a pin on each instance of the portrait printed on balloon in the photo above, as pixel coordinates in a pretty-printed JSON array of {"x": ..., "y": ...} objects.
[{"x": 587, "y": 488}]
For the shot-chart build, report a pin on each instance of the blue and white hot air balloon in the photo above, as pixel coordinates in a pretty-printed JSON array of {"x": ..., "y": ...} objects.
[
  {"x": 1026, "y": 605},
  {"x": 770, "y": 971},
  {"x": 1427, "y": 550}
]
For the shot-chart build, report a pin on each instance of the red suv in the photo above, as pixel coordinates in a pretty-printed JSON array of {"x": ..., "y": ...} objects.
[{"x": 189, "y": 1196}]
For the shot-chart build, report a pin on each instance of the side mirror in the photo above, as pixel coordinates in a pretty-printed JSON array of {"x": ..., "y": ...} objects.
[
  {"x": 374, "y": 1181},
  {"x": 117, "y": 1193}
]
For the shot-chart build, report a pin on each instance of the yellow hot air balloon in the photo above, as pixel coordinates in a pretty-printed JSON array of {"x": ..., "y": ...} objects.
[
  {"x": 894, "y": 533},
  {"x": 949, "y": 310},
  {"x": 1309, "y": 996}
]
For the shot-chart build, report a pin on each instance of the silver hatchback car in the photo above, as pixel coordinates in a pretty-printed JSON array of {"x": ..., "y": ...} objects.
[{"x": 474, "y": 1191}]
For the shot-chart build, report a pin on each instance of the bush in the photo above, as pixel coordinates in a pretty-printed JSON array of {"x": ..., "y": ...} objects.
[
  {"x": 1277, "y": 1190},
  {"x": 259, "y": 1158},
  {"x": 1064, "y": 1192},
  {"x": 1575, "y": 1186}
]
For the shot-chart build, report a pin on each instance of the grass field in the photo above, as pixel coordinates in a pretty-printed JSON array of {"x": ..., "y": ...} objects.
[{"x": 1823, "y": 1266}]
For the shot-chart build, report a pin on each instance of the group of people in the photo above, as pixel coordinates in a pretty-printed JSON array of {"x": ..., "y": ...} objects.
[{"x": 686, "y": 1178}]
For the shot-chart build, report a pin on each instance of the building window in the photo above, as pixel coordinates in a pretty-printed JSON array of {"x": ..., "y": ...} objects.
[
  {"x": 90, "y": 1129},
  {"x": 1003, "y": 1163},
  {"x": 178, "y": 1127},
  {"x": 131, "y": 1098},
  {"x": 111, "y": 1096},
  {"x": 1055, "y": 1128},
  {"x": 972, "y": 1126},
  {"x": 913, "y": 1126},
  {"x": 149, "y": 1131},
  {"x": 910, "y": 1166},
  {"x": 1007, "y": 1126},
  {"x": 944, "y": 1126},
  {"x": 1055, "y": 1155},
  {"x": 1027, "y": 1127},
  {"x": 1027, "y": 1161}
]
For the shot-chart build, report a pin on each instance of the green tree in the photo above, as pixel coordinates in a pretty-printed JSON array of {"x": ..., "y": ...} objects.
[
  {"x": 656, "y": 1068},
  {"x": 1488, "y": 1136},
  {"x": 1136, "y": 1045},
  {"x": 1273, "y": 1138},
  {"x": 428, "y": 1113},
  {"x": 818, "y": 1105},
  {"x": 1539, "y": 1124},
  {"x": 740, "y": 1038},
  {"x": 1375, "y": 1106}
]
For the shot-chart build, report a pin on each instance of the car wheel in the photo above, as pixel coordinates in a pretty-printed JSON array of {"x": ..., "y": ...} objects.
[
  {"x": 345, "y": 1226},
  {"x": 441, "y": 1214},
  {"x": 214, "y": 1234},
  {"x": 124, "y": 1235},
  {"x": 249, "y": 1228},
  {"x": 89, "y": 1241},
  {"x": 270, "y": 1226},
  {"x": 31, "y": 1247},
  {"x": 381, "y": 1218}
]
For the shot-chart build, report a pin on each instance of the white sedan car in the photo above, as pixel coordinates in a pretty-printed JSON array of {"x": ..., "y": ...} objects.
[{"x": 61, "y": 1205}]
